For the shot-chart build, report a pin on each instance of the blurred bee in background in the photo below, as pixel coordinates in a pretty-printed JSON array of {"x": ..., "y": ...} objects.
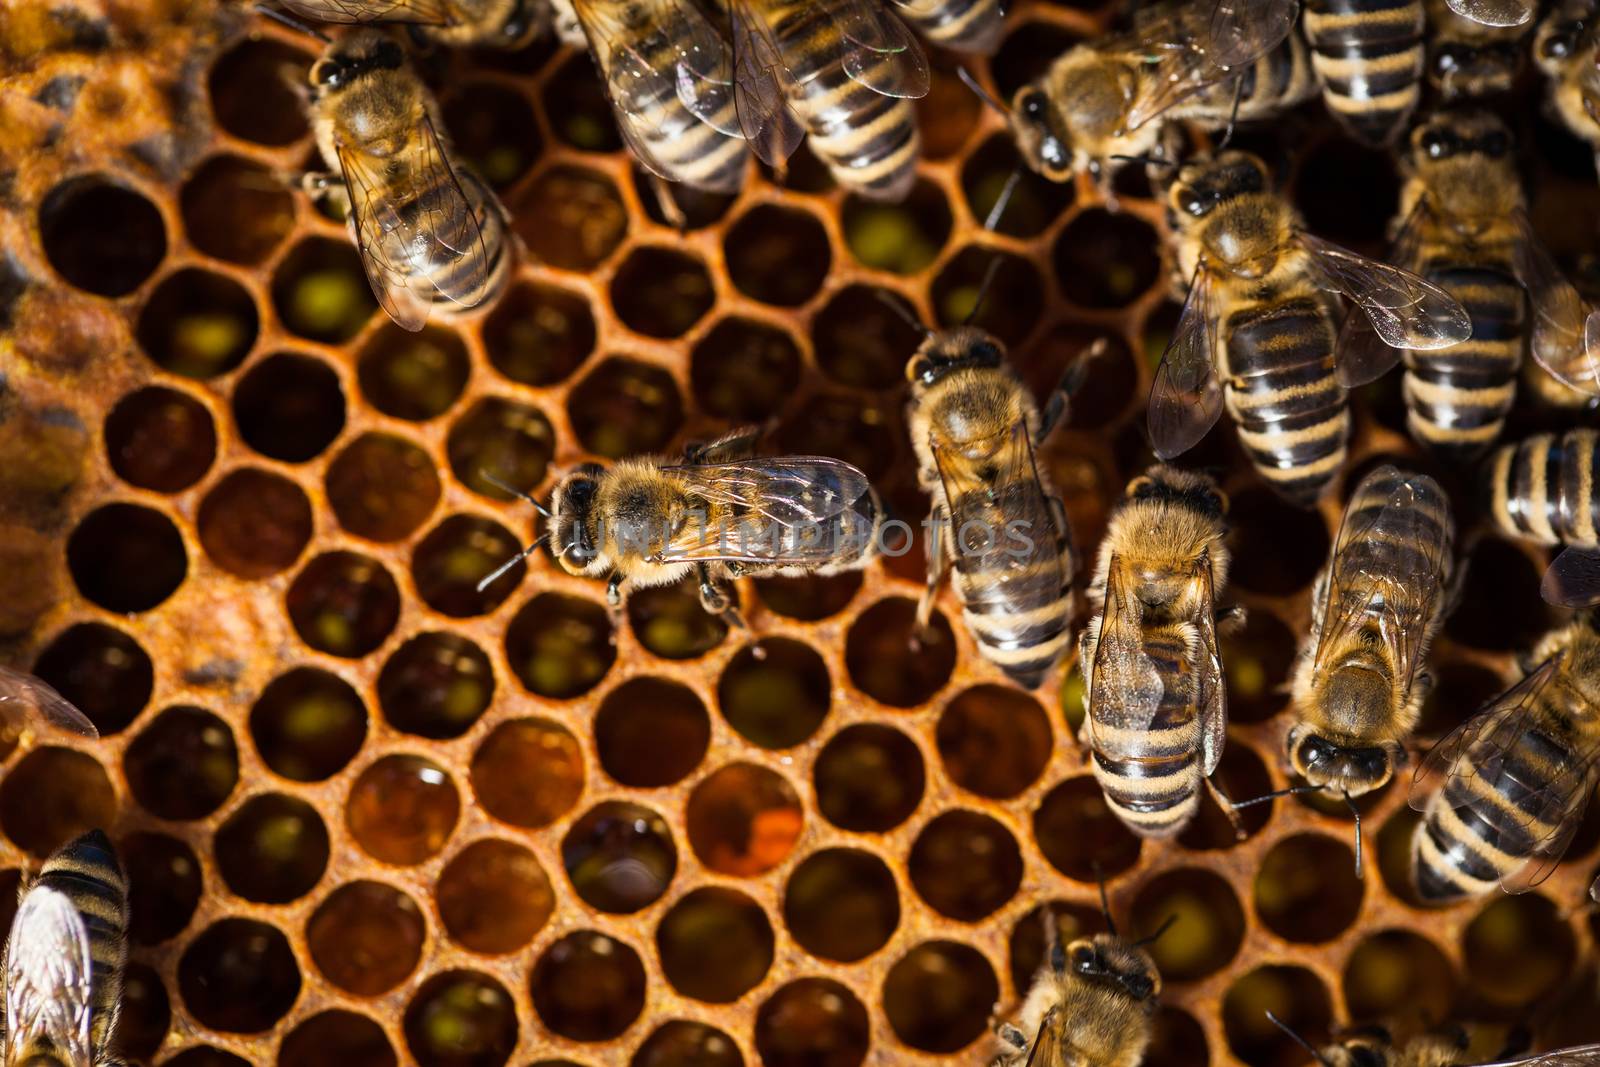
[
  {"x": 65, "y": 957},
  {"x": 842, "y": 71},
  {"x": 960, "y": 25},
  {"x": 722, "y": 513},
  {"x": 1256, "y": 296},
  {"x": 1564, "y": 48},
  {"x": 25, "y": 702},
  {"x": 1373, "y": 1047},
  {"x": 1469, "y": 60},
  {"x": 1542, "y": 489},
  {"x": 506, "y": 24},
  {"x": 1156, "y": 702},
  {"x": 1368, "y": 55}
]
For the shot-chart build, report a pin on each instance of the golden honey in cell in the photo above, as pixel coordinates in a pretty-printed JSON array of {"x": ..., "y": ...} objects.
[
  {"x": 960, "y": 25},
  {"x": 1257, "y": 331},
  {"x": 1468, "y": 60},
  {"x": 1155, "y": 699},
  {"x": 1542, "y": 489},
  {"x": 452, "y": 23},
  {"x": 1368, "y": 55},
  {"x": 432, "y": 236}
]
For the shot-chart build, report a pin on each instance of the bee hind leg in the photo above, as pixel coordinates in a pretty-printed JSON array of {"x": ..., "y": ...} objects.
[
  {"x": 1072, "y": 380},
  {"x": 1227, "y": 807},
  {"x": 717, "y": 598},
  {"x": 1231, "y": 618},
  {"x": 938, "y": 565}
]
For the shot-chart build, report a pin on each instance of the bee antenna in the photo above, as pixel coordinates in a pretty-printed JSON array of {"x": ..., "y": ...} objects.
[
  {"x": 495, "y": 481},
  {"x": 1105, "y": 901},
  {"x": 1292, "y": 791},
  {"x": 1149, "y": 939},
  {"x": 1002, "y": 201},
  {"x": 1149, "y": 161},
  {"x": 983, "y": 94},
  {"x": 894, "y": 303},
  {"x": 989, "y": 275},
  {"x": 1302, "y": 1042},
  {"x": 1356, "y": 813},
  {"x": 293, "y": 23},
  {"x": 512, "y": 562}
]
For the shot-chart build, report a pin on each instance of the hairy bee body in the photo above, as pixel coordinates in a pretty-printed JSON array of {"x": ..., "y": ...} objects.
[
  {"x": 961, "y": 25},
  {"x": 1467, "y": 59},
  {"x": 1542, "y": 489},
  {"x": 1092, "y": 1005},
  {"x": 452, "y": 23},
  {"x": 1564, "y": 48},
  {"x": 1368, "y": 54},
  {"x": 1153, "y": 685}
]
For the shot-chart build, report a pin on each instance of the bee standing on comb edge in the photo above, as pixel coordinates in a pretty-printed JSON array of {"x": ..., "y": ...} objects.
[
  {"x": 507, "y": 24},
  {"x": 720, "y": 513}
]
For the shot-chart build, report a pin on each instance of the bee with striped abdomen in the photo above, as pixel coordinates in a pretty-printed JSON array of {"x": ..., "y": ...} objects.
[
  {"x": 1516, "y": 777},
  {"x": 960, "y": 25},
  {"x": 1368, "y": 55},
  {"x": 1156, "y": 715},
  {"x": 432, "y": 237},
  {"x": 1468, "y": 60},
  {"x": 843, "y": 71},
  {"x": 64, "y": 960},
  {"x": 454, "y": 23},
  {"x": 1542, "y": 489},
  {"x": 1258, "y": 300}
]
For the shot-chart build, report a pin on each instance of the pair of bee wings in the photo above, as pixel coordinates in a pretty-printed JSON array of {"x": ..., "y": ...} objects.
[
  {"x": 1500, "y": 13},
  {"x": 1126, "y": 689},
  {"x": 48, "y": 970},
  {"x": 1547, "y": 807},
  {"x": 25, "y": 701},
  {"x": 877, "y": 51},
  {"x": 1403, "y": 310},
  {"x": 1573, "y": 578},
  {"x": 787, "y": 507}
]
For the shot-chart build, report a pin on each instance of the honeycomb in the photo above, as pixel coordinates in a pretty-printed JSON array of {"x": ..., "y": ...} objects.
[{"x": 372, "y": 815}]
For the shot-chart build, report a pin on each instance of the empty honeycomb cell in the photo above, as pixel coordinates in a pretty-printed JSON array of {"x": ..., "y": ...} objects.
[
  {"x": 198, "y": 323},
  {"x": 460, "y": 1019},
  {"x": 382, "y": 487},
  {"x": 321, "y": 292},
  {"x": 661, "y": 293},
  {"x": 1026, "y": 53},
  {"x": 163, "y": 885},
  {"x": 869, "y": 778},
  {"x": 1347, "y": 192},
  {"x": 993, "y": 740},
  {"x": 159, "y": 438},
  {"x": 435, "y": 686},
  {"x": 577, "y": 106},
  {"x": 812, "y": 1022},
  {"x": 510, "y": 442},
  {"x": 1460, "y": 690},
  {"x": 743, "y": 370},
  {"x": 254, "y": 523},
  {"x": 1176, "y": 1040},
  {"x": 1277, "y": 548},
  {"x": 681, "y": 1043},
  {"x": 1518, "y": 950},
  {"x": 1106, "y": 260},
  {"x": 588, "y": 986},
  {"x": 336, "y": 1038},
  {"x": 538, "y": 334},
  {"x": 402, "y": 808},
  {"x": 344, "y": 604},
  {"x": 650, "y": 732},
  {"x": 571, "y": 218},
  {"x": 1027, "y": 942},
  {"x": 810, "y": 597},
  {"x": 366, "y": 937},
  {"x": 775, "y": 692},
  {"x": 939, "y": 996},
  {"x": 494, "y": 897},
  {"x": 624, "y": 407},
  {"x": 1399, "y": 974},
  {"x": 947, "y": 115},
  {"x": 239, "y": 976},
  {"x": 891, "y": 662},
  {"x": 560, "y": 646},
  {"x": 1240, "y": 775},
  {"x": 1258, "y": 657},
  {"x": 183, "y": 765},
  {"x": 743, "y": 820},
  {"x": 1294, "y": 995},
  {"x": 1209, "y": 926},
  {"x": 146, "y": 1011},
  {"x": 1036, "y": 201},
  {"x": 1079, "y": 835},
  {"x": 1109, "y": 380},
  {"x": 669, "y": 621},
  {"x": 861, "y": 341},
  {"x": 253, "y": 91},
  {"x": 1499, "y": 606},
  {"x": 236, "y": 210},
  {"x": 206, "y": 1056},
  {"x": 1011, "y": 308},
  {"x": 100, "y": 235},
  {"x": 1394, "y": 854},
  {"x": 1306, "y": 889},
  {"x": 777, "y": 255},
  {"x": 289, "y": 407},
  {"x": 413, "y": 376},
  {"x": 715, "y": 944},
  {"x": 528, "y": 772},
  {"x": 841, "y": 904},
  {"x": 307, "y": 724},
  {"x": 903, "y": 238},
  {"x": 456, "y": 555},
  {"x": 965, "y": 865},
  {"x": 272, "y": 849},
  {"x": 126, "y": 558},
  {"x": 859, "y": 430},
  {"x": 492, "y": 129},
  {"x": 103, "y": 671},
  {"x": 696, "y": 208},
  {"x": 619, "y": 856}
]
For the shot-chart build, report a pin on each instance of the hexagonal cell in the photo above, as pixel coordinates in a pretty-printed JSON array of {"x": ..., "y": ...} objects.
[
  {"x": 254, "y": 523},
  {"x": 1106, "y": 260},
  {"x": 382, "y": 487},
  {"x": 289, "y": 407},
  {"x": 146, "y": 1012},
  {"x": 402, "y": 808},
  {"x": 571, "y": 218},
  {"x": 861, "y": 341},
  {"x": 811, "y": 1022},
  {"x": 100, "y": 235},
  {"x": 239, "y": 976},
  {"x": 841, "y": 904},
  {"x": 198, "y": 323},
  {"x": 456, "y": 555},
  {"x": 957, "y": 290},
  {"x": 159, "y": 438},
  {"x": 1079, "y": 835},
  {"x": 965, "y": 865},
  {"x": 1399, "y": 969},
  {"x": 528, "y": 772},
  {"x": 947, "y": 115},
  {"x": 1035, "y": 203},
  {"x": 366, "y": 937},
  {"x": 560, "y": 646},
  {"x": 460, "y": 1019},
  {"x": 620, "y": 857},
  {"x": 994, "y": 741},
  {"x": 320, "y": 290},
  {"x": 743, "y": 820},
  {"x": 902, "y": 237},
  {"x": 588, "y": 987},
  {"x": 436, "y": 685},
  {"x": 413, "y": 376},
  {"x": 743, "y": 370},
  {"x": 163, "y": 885},
  {"x": 1109, "y": 382},
  {"x": 1259, "y": 656},
  {"x": 777, "y": 255},
  {"x": 1277, "y": 548},
  {"x": 344, "y": 604},
  {"x": 500, "y": 438},
  {"x": 811, "y": 597},
  {"x": 1518, "y": 951},
  {"x": 578, "y": 109},
  {"x": 251, "y": 95},
  {"x": 624, "y": 407},
  {"x": 494, "y": 897},
  {"x": 869, "y": 778},
  {"x": 52, "y": 796},
  {"x": 889, "y": 662},
  {"x": 1459, "y": 691},
  {"x": 650, "y": 732},
  {"x": 775, "y": 692},
  {"x": 1027, "y": 942},
  {"x": 1209, "y": 925},
  {"x": 538, "y": 334},
  {"x": 272, "y": 849},
  {"x": 206, "y": 1056},
  {"x": 1178, "y": 1040},
  {"x": 102, "y": 670},
  {"x": 660, "y": 292},
  {"x": 1500, "y": 607},
  {"x": 183, "y": 765},
  {"x": 492, "y": 127},
  {"x": 939, "y": 996},
  {"x": 805, "y": 173},
  {"x": 669, "y": 621},
  {"x": 716, "y": 944},
  {"x": 1306, "y": 888},
  {"x": 307, "y": 724},
  {"x": 681, "y": 1043},
  {"x": 336, "y": 1038},
  {"x": 1294, "y": 995},
  {"x": 859, "y": 429},
  {"x": 236, "y": 209}
]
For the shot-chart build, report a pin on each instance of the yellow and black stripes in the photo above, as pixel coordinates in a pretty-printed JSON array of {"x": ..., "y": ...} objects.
[
  {"x": 1542, "y": 489},
  {"x": 1369, "y": 56},
  {"x": 453, "y": 275},
  {"x": 961, "y": 25},
  {"x": 1457, "y": 397},
  {"x": 1020, "y": 614},
  {"x": 86, "y": 871},
  {"x": 1277, "y": 81}
]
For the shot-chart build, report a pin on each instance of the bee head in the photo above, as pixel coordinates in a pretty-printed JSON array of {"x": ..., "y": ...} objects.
[
  {"x": 351, "y": 57},
  {"x": 961, "y": 348},
  {"x": 574, "y": 536},
  {"x": 1041, "y": 136},
  {"x": 1328, "y": 763},
  {"x": 1474, "y": 70},
  {"x": 1109, "y": 960},
  {"x": 1361, "y": 1050},
  {"x": 1203, "y": 184}
]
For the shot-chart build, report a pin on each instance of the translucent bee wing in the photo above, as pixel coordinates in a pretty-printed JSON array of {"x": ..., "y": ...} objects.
[
  {"x": 1494, "y": 12},
  {"x": 1573, "y": 578},
  {"x": 25, "y": 701},
  {"x": 1210, "y": 682},
  {"x": 344, "y": 12},
  {"x": 1576, "y": 1056},
  {"x": 1125, "y": 688},
  {"x": 880, "y": 52},
  {"x": 1561, "y": 341},
  {"x": 1594, "y": 890},
  {"x": 47, "y": 976},
  {"x": 704, "y": 70},
  {"x": 1361, "y": 355},
  {"x": 1242, "y": 31},
  {"x": 1406, "y": 311},
  {"x": 1186, "y": 397},
  {"x": 760, "y": 88}
]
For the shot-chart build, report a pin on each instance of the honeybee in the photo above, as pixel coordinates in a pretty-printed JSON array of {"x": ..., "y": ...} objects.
[
  {"x": 841, "y": 70},
  {"x": 1373, "y": 1047},
  {"x": 960, "y": 25},
  {"x": 1564, "y": 48},
  {"x": 453, "y": 23},
  {"x": 1156, "y": 705},
  {"x": 669, "y": 75},
  {"x": 1467, "y": 59},
  {"x": 1257, "y": 296},
  {"x": 1542, "y": 489},
  {"x": 722, "y": 513},
  {"x": 65, "y": 957},
  {"x": 432, "y": 237},
  {"x": 1368, "y": 55},
  {"x": 25, "y": 701},
  {"x": 1205, "y": 63}
]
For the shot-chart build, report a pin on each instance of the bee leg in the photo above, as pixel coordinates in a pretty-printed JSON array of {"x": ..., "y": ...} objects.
[
  {"x": 614, "y": 592},
  {"x": 938, "y": 565},
  {"x": 1226, "y": 805},
  {"x": 729, "y": 448},
  {"x": 669, "y": 204},
  {"x": 1013, "y": 1036},
  {"x": 1072, "y": 380},
  {"x": 717, "y": 597},
  {"x": 1233, "y": 115},
  {"x": 1231, "y": 618}
]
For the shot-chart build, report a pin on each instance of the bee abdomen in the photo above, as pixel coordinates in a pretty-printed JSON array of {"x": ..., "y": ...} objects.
[
  {"x": 962, "y": 25},
  {"x": 88, "y": 873},
  {"x": 688, "y": 148},
  {"x": 1542, "y": 489},
  {"x": 1023, "y": 626},
  {"x": 1276, "y": 82},
  {"x": 1457, "y": 398},
  {"x": 1369, "y": 56},
  {"x": 452, "y": 274}
]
